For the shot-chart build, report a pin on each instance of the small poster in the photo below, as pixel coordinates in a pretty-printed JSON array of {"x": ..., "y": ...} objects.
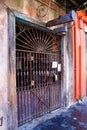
[
  {"x": 54, "y": 64},
  {"x": 59, "y": 67},
  {"x": 85, "y": 28}
]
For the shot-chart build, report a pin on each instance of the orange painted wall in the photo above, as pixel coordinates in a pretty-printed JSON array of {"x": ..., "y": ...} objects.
[{"x": 79, "y": 55}]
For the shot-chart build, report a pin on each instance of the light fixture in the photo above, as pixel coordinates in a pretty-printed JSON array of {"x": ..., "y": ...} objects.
[
  {"x": 85, "y": 5},
  {"x": 53, "y": 0}
]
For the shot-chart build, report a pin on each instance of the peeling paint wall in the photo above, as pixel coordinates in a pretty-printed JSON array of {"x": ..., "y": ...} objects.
[
  {"x": 67, "y": 67},
  {"x": 8, "y": 109},
  {"x": 40, "y": 9},
  {"x": 3, "y": 69}
]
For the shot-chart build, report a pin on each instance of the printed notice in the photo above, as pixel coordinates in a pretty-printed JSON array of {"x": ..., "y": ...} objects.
[
  {"x": 54, "y": 64},
  {"x": 59, "y": 67}
]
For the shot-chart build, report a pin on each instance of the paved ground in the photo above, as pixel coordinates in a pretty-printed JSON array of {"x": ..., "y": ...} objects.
[{"x": 74, "y": 118}]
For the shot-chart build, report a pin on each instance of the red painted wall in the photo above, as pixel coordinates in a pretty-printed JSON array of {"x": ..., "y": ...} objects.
[{"x": 79, "y": 55}]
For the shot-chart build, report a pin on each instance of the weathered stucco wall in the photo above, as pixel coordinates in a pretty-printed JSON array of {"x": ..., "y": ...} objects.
[
  {"x": 40, "y": 9},
  {"x": 3, "y": 69},
  {"x": 8, "y": 109},
  {"x": 67, "y": 67}
]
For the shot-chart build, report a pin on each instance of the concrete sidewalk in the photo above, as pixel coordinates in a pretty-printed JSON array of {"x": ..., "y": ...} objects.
[{"x": 74, "y": 118}]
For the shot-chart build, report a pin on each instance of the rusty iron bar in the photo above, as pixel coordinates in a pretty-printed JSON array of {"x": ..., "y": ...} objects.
[
  {"x": 37, "y": 93},
  {"x": 35, "y": 85}
]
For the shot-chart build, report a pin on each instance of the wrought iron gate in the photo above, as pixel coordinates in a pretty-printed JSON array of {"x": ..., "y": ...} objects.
[{"x": 38, "y": 80}]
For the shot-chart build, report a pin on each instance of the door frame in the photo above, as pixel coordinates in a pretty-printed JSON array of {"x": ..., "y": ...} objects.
[{"x": 12, "y": 17}]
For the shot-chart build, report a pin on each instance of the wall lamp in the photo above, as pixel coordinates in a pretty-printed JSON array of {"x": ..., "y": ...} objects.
[{"x": 85, "y": 5}]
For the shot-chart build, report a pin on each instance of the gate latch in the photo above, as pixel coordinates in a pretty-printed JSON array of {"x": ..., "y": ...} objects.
[{"x": 55, "y": 77}]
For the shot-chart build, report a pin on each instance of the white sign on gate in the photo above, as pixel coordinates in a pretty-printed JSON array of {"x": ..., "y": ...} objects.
[
  {"x": 85, "y": 28},
  {"x": 54, "y": 64}
]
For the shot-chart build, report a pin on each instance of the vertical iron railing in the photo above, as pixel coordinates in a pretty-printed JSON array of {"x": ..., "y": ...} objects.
[{"x": 37, "y": 92}]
